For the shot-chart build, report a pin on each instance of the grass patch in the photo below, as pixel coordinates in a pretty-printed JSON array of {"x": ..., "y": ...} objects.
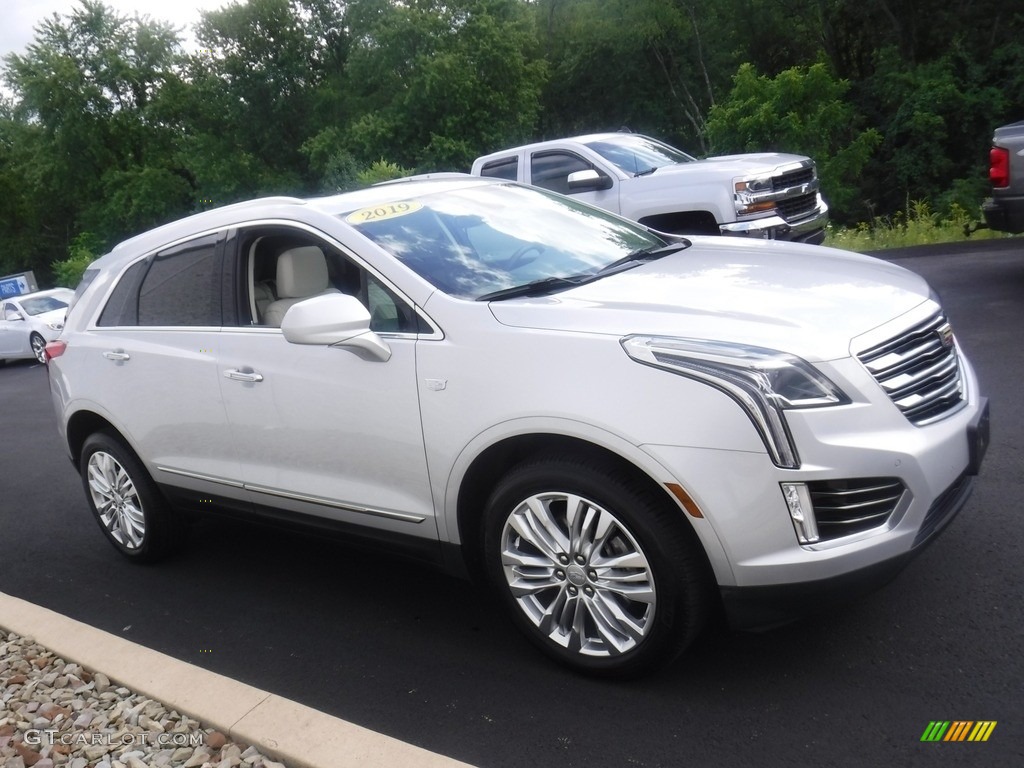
[{"x": 918, "y": 225}]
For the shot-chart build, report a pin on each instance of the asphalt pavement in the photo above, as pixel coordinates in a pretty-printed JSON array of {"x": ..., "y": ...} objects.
[{"x": 431, "y": 660}]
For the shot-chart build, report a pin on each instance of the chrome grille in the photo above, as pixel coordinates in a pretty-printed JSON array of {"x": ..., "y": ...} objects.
[
  {"x": 795, "y": 207},
  {"x": 845, "y": 507},
  {"x": 919, "y": 370},
  {"x": 793, "y": 178}
]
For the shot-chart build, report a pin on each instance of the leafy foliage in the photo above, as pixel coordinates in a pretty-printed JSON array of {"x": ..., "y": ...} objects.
[
  {"x": 802, "y": 111},
  {"x": 111, "y": 127}
]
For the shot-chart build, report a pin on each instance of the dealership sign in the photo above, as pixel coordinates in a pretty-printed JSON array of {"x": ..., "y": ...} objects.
[{"x": 15, "y": 285}]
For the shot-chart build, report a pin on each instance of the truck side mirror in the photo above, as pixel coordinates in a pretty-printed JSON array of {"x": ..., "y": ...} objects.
[{"x": 588, "y": 181}]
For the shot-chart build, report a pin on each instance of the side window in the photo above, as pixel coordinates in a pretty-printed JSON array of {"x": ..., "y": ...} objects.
[
  {"x": 11, "y": 312},
  {"x": 551, "y": 170},
  {"x": 506, "y": 168},
  {"x": 182, "y": 286},
  {"x": 275, "y": 261},
  {"x": 123, "y": 305},
  {"x": 388, "y": 313}
]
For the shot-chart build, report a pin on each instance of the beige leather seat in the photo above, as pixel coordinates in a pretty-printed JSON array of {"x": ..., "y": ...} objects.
[{"x": 301, "y": 273}]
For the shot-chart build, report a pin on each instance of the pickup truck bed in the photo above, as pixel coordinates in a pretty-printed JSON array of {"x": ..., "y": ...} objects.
[{"x": 1005, "y": 209}]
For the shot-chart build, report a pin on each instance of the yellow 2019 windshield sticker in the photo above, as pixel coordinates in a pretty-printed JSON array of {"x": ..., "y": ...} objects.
[{"x": 381, "y": 212}]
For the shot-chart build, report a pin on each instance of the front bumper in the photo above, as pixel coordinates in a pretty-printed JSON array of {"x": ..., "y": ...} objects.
[
  {"x": 809, "y": 229},
  {"x": 765, "y": 575},
  {"x": 763, "y": 607}
]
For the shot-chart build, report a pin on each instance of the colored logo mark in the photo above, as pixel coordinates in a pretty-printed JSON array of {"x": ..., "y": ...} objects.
[{"x": 958, "y": 730}]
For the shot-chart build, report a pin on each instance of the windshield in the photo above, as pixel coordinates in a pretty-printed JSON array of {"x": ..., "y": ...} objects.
[
  {"x": 40, "y": 304},
  {"x": 477, "y": 240},
  {"x": 635, "y": 154}
]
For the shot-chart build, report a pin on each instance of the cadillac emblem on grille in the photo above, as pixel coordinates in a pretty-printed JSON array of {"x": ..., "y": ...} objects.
[{"x": 945, "y": 335}]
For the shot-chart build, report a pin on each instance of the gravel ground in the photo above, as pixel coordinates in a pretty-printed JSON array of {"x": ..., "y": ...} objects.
[{"x": 55, "y": 713}]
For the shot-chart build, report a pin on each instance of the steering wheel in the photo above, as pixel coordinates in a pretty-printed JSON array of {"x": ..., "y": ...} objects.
[{"x": 518, "y": 258}]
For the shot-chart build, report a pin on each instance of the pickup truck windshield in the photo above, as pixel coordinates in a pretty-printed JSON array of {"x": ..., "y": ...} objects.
[
  {"x": 478, "y": 240},
  {"x": 637, "y": 155}
]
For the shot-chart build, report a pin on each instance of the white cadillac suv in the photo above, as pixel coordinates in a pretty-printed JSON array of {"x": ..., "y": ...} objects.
[{"x": 617, "y": 428}]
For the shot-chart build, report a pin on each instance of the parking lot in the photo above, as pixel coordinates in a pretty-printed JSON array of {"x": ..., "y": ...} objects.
[{"x": 432, "y": 661}]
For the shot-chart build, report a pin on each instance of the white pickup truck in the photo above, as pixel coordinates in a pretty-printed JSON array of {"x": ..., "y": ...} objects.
[{"x": 766, "y": 195}]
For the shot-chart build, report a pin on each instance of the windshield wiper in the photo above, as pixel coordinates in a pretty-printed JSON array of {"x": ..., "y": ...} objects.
[
  {"x": 547, "y": 285},
  {"x": 541, "y": 287},
  {"x": 646, "y": 171},
  {"x": 650, "y": 253}
]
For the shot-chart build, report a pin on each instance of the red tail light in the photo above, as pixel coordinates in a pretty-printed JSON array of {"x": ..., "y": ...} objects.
[
  {"x": 55, "y": 349},
  {"x": 999, "y": 167}
]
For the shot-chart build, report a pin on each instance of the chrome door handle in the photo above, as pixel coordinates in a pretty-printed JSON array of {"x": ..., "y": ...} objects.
[
  {"x": 244, "y": 374},
  {"x": 118, "y": 355}
]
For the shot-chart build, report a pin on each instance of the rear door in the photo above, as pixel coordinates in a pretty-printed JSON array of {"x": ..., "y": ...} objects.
[{"x": 152, "y": 355}]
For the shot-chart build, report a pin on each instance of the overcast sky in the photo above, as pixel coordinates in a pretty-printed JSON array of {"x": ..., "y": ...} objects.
[{"x": 19, "y": 18}]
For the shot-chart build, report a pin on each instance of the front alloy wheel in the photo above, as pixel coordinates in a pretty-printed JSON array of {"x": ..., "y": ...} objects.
[
  {"x": 597, "y": 568},
  {"x": 578, "y": 574}
]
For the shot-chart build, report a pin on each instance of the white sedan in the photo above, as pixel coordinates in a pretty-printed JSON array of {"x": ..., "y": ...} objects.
[{"x": 28, "y": 321}]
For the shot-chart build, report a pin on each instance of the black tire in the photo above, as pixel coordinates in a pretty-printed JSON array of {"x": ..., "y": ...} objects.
[
  {"x": 125, "y": 501},
  {"x": 554, "y": 573},
  {"x": 38, "y": 344}
]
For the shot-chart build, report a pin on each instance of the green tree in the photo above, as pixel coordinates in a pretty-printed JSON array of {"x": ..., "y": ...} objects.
[
  {"x": 804, "y": 111},
  {"x": 437, "y": 82},
  {"x": 85, "y": 91},
  {"x": 654, "y": 66},
  {"x": 253, "y": 92}
]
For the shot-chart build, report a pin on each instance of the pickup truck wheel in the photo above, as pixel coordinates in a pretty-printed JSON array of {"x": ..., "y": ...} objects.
[
  {"x": 601, "y": 574},
  {"x": 125, "y": 501}
]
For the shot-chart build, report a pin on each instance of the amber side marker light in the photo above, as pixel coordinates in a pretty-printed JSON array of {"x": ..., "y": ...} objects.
[
  {"x": 55, "y": 349},
  {"x": 684, "y": 498}
]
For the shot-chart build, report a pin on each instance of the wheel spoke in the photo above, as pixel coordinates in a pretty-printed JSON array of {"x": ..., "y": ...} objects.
[
  {"x": 536, "y": 526},
  {"x": 116, "y": 500},
  {"x": 610, "y": 603}
]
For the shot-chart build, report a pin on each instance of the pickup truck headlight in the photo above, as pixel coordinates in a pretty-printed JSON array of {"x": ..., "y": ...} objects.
[
  {"x": 764, "y": 382},
  {"x": 750, "y": 193}
]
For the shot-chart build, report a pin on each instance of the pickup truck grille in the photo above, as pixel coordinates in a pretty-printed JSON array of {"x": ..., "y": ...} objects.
[
  {"x": 792, "y": 179},
  {"x": 845, "y": 507},
  {"x": 797, "y": 207},
  {"x": 919, "y": 370}
]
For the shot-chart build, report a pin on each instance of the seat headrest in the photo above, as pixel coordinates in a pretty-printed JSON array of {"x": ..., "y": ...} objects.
[{"x": 301, "y": 272}]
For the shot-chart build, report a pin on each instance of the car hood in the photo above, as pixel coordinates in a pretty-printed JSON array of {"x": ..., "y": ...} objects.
[
  {"x": 754, "y": 164},
  {"x": 54, "y": 315},
  {"x": 806, "y": 300}
]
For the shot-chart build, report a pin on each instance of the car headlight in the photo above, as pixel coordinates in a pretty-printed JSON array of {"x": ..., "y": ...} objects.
[
  {"x": 55, "y": 325},
  {"x": 764, "y": 382},
  {"x": 750, "y": 193}
]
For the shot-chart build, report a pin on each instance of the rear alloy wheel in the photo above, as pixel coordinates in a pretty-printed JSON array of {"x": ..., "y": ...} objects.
[
  {"x": 38, "y": 344},
  {"x": 603, "y": 575},
  {"x": 125, "y": 501}
]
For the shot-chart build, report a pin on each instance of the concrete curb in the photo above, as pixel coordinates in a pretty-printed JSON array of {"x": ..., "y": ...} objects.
[{"x": 293, "y": 733}]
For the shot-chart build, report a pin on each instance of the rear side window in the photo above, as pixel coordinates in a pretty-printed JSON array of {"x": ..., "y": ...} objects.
[
  {"x": 123, "y": 305},
  {"x": 178, "y": 287},
  {"x": 507, "y": 168},
  {"x": 182, "y": 286}
]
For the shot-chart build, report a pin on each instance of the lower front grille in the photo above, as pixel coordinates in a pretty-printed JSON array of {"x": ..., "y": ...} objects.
[
  {"x": 796, "y": 207},
  {"x": 944, "y": 507},
  {"x": 845, "y": 507}
]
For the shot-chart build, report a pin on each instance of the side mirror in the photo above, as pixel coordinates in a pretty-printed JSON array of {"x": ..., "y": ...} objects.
[
  {"x": 588, "y": 181},
  {"x": 337, "y": 320}
]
